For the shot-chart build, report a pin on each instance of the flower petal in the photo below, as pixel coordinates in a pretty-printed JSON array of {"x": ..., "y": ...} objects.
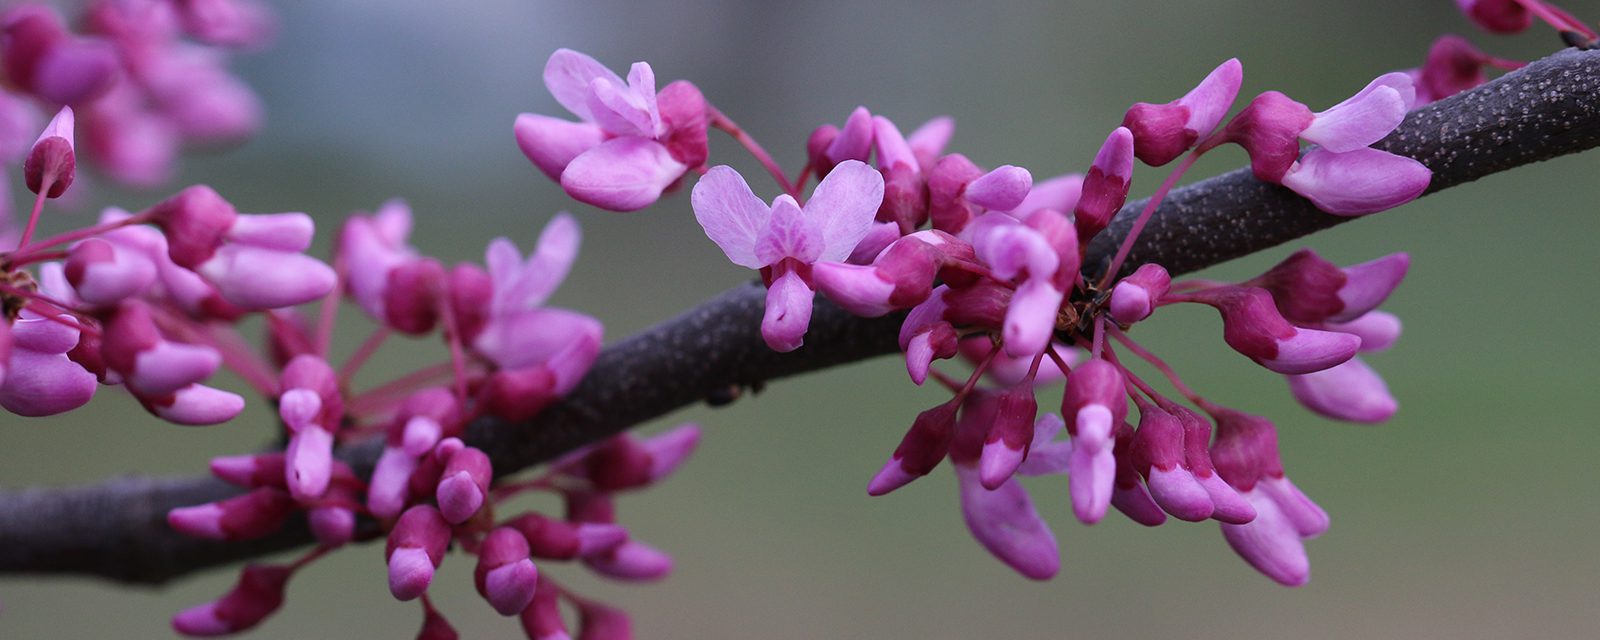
[
  {"x": 730, "y": 213},
  {"x": 623, "y": 174},
  {"x": 844, "y": 206},
  {"x": 568, "y": 75},
  {"x": 1357, "y": 182}
]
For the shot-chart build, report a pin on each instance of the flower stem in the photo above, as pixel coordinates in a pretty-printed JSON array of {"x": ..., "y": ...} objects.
[
  {"x": 723, "y": 122},
  {"x": 1144, "y": 216}
]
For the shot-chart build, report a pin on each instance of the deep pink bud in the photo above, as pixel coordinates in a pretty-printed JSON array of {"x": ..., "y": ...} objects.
[
  {"x": 464, "y": 484},
  {"x": 683, "y": 113},
  {"x": 52, "y": 163},
  {"x": 541, "y": 620},
  {"x": 518, "y": 394},
  {"x": 947, "y": 184},
  {"x": 436, "y": 627},
  {"x": 925, "y": 336},
  {"x": 504, "y": 575},
  {"x": 244, "y": 517},
  {"x": 1453, "y": 65},
  {"x": 1270, "y": 543},
  {"x": 1105, "y": 188},
  {"x": 1009, "y": 437},
  {"x": 600, "y": 622},
  {"x": 1228, "y": 505},
  {"x": 1269, "y": 129},
  {"x": 149, "y": 364},
  {"x": 854, "y": 141},
  {"x": 1128, "y": 492},
  {"x": 1136, "y": 296},
  {"x": 1253, "y": 327},
  {"x": 561, "y": 540},
  {"x": 1094, "y": 404},
  {"x": 1357, "y": 182},
  {"x": 250, "y": 471},
  {"x": 471, "y": 291},
  {"x": 1159, "y": 455},
  {"x": 258, "y": 594},
  {"x": 1309, "y": 289},
  {"x": 1162, "y": 132},
  {"x": 924, "y": 445},
  {"x": 1497, "y": 16},
  {"x": 416, "y": 547},
  {"x": 902, "y": 276},
  {"x": 195, "y": 221},
  {"x": 410, "y": 299}
]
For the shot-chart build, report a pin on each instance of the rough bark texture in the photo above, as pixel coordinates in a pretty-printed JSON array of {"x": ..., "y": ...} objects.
[{"x": 117, "y": 529}]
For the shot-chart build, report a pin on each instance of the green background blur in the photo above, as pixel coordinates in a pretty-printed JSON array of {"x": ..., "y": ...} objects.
[{"x": 1472, "y": 514}]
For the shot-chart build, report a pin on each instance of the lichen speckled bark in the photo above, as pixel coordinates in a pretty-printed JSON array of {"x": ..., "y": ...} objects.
[{"x": 117, "y": 529}]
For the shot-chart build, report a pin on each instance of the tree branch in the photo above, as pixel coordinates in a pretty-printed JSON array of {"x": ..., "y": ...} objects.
[{"x": 117, "y": 529}]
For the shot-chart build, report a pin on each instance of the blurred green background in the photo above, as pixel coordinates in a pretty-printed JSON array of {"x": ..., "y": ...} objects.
[{"x": 1471, "y": 515}]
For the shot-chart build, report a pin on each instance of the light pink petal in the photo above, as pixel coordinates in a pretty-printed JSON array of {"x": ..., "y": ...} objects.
[
  {"x": 642, "y": 84},
  {"x": 1357, "y": 182},
  {"x": 281, "y": 231},
  {"x": 386, "y": 494},
  {"x": 1312, "y": 350},
  {"x": 1179, "y": 494},
  {"x": 788, "y": 312},
  {"x": 1270, "y": 543},
  {"x": 1378, "y": 330},
  {"x": 552, "y": 143},
  {"x": 1005, "y": 522},
  {"x": 1351, "y": 391},
  {"x": 856, "y": 288},
  {"x": 530, "y": 284},
  {"x": 410, "y": 572},
  {"x": 199, "y": 405},
  {"x": 892, "y": 147},
  {"x": 1047, "y": 456},
  {"x": 621, "y": 111},
  {"x": 631, "y": 560},
  {"x": 1091, "y": 465},
  {"x": 623, "y": 174},
  {"x": 670, "y": 449},
  {"x": 1369, "y": 284},
  {"x": 845, "y": 204},
  {"x": 44, "y": 384},
  {"x": 170, "y": 366},
  {"x": 531, "y": 337},
  {"x": 1358, "y": 122},
  {"x": 1136, "y": 503},
  {"x": 256, "y": 278},
  {"x": 854, "y": 141},
  {"x": 730, "y": 213},
  {"x": 37, "y": 333},
  {"x": 1210, "y": 100},
  {"x": 568, "y": 75},
  {"x": 1057, "y": 194},
  {"x": 789, "y": 234},
  {"x": 929, "y": 140},
  {"x": 1308, "y": 519},
  {"x": 308, "y": 463},
  {"x": 878, "y": 238}
]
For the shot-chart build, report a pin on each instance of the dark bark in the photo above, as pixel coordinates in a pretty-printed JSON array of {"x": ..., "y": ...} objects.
[{"x": 117, "y": 529}]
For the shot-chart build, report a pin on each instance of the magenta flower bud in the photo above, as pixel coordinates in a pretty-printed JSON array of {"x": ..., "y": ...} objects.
[
  {"x": 258, "y": 594},
  {"x": 103, "y": 273},
  {"x": 308, "y": 462},
  {"x": 410, "y": 300},
  {"x": 1128, "y": 491},
  {"x": 900, "y": 277},
  {"x": 149, "y": 364},
  {"x": 1093, "y": 405},
  {"x": 243, "y": 517},
  {"x": 559, "y": 540},
  {"x": 1227, "y": 505},
  {"x": 41, "y": 383},
  {"x": 1001, "y": 189},
  {"x": 817, "y": 148},
  {"x": 196, "y": 222},
  {"x": 1270, "y": 543},
  {"x": 683, "y": 113},
  {"x": 504, "y": 575},
  {"x": 31, "y": 32},
  {"x": 632, "y": 560},
  {"x": 1453, "y": 65},
  {"x": 984, "y": 304},
  {"x": 390, "y": 485},
  {"x": 1497, "y": 16},
  {"x": 471, "y": 292},
  {"x": 464, "y": 485},
  {"x": 1254, "y": 328},
  {"x": 1105, "y": 188},
  {"x": 420, "y": 434},
  {"x": 1357, "y": 182},
  {"x": 250, "y": 471},
  {"x": 541, "y": 620},
  {"x": 1352, "y": 391},
  {"x": 600, "y": 622},
  {"x": 1158, "y": 454},
  {"x": 892, "y": 147},
  {"x": 854, "y": 141},
  {"x": 924, "y": 445},
  {"x": 281, "y": 231},
  {"x": 332, "y": 525},
  {"x": 518, "y": 394},
  {"x": 436, "y": 627},
  {"x": 947, "y": 185},
  {"x": 52, "y": 162},
  {"x": 1136, "y": 296},
  {"x": 416, "y": 547},
  {"x": 1162, "y": 132},
  {"x": 1308, "y": 289},
  {"x": 323, "y": 405},
  {"x": 1269, "y": 129},
  {"x": 1009, "y": 437},
  {"x": 195, "y": 405},
  {"x": 925, "y": 336},
  {"x": 1378, "y": 330},
  {"x": 904, "y": 208},
  {"x": 1006, "y": 523}
]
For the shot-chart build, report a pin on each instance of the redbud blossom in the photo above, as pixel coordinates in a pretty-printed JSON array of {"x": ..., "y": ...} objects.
[
  {"x": 1352, "y": 391},
  {"x": 1253, "y": 327},
  {"x": 1003, "y": 520},
  {"x": 258, "y": 594},
  {"x": 1497, "y": 16},
  {"x": 1094, "y": 404},
  {"x": 311, "y": 408},
  {"x": 464, "y": 484},
  {"x": 924, "y": 445},
  {"x": 103, "y": 273},
  {"x": 1105, "y": 187},
  {"x": 1158, "y": 454},
  {"x": 1136, "y": 296},
  {"x": 784, "y": 239},
  {"x": 561, "y": 540},
  {"x": 632, "y": 561},
  {"x": 40, "y": 377},
  {"x": 52, "y": 162},
  {"x": 1308, "y": 289},
  {"x": 416, "y": 547},
  {"x": 1162, "y": 132},
  {"x": 243, "y": 517},
  {"x": 504, "y": 575},
  {"x": 149, "y": 364}
]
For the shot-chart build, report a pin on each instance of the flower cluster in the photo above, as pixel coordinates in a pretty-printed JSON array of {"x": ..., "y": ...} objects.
[
  {"x": 990, "y": 266},
  {"x": 146, "y": 77}
]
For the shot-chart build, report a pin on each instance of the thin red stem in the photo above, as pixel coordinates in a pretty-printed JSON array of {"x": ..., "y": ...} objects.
[
  {"x": 404, "y": 384},
  {"x": 1556, "y": 17},
  {"x": 38, "y": 207},
  {"x": 726, "y": 124},
  {"x": 1149, "y": 210},
  {"x": 328, "y": 311},
  {"x": 1159, "y": 364},
  {"x": 78, "y": 234},
  {"x": 365, "y": 351},
  {"x": 452, "y": 337}
]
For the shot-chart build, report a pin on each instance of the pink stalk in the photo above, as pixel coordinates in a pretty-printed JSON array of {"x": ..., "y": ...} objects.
[
  {"x": 239, "y": 358},
  {"x": 1149, "y": 210},
  {"x": 723, "y": 122},
  {"x": 365, "y": 351},
  {"x": 1159, "y": 364},
  {"x": 328, "y": 311},
  {"x": 452, "y": 334},
  {"x": 1556, "y": 17},
  {"x": 76, "y": 235},
  {"x": 33, "y": 218},
  {"x": 401, "y": 385}
]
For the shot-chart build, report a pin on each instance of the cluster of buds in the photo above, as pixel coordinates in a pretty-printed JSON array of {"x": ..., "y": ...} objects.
[
  {"x": 990, "y": 267},
  {"x": 147, "y": 78}
]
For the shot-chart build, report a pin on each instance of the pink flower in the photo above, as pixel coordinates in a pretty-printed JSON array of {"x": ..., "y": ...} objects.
[
  {"x": 632, "y": 142},
  {"x": 504, "y": 575},
  {"x": 783, "y": 240},
  {"x": 40, "y": 379},
  {"x": 52, "y": 162},
  {"x": 1162, "y": 132},
  {"x": 258, "y": 594},
  {"x": 415, "y": 549}
]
